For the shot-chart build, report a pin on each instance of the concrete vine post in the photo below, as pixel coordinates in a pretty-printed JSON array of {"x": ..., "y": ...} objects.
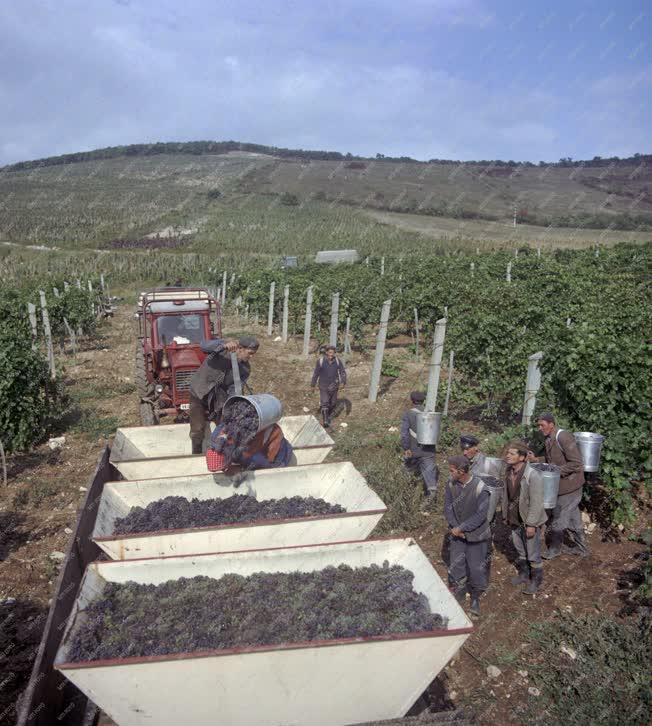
[
  {"x": 224, "y": 288},
  {"x": 48, "y": 334},
  {"x": 539, "y": 251},
  {"x": 473, "y": 269},
  {"x": 270, "y": 311},
  {"x": 31, "y": 311},
  {"x": 508, "y": 275},
  {"x": 286, "y": 299},
  {"x": 308, "y": 322},
  {"x": 532, "y": 385},
  {"x": 451, "y": 363},
  {"x": 335, "y": 309},
  {"x": 380, "y": 351},
  {"x": 347, "y": 337},
  {"x": 416, "y": 330},
  {"x": 72, "y": 336},
  {"x": 56, "y": 292},
  {"x": 435, "y": 364},
  {"x": 382, "y": 266}
]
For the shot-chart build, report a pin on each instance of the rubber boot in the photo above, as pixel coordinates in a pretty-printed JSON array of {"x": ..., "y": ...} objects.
[
  {"x": 580, "y": 549},
  {"x": 554, "y": 548},
  {"x": 197, "y": 447},
  {"x": 535, "y": 583},
  {"x": 523, "y": 574},
  {"x": 459, "y": 591},
  {"x": 326, "y": 421},
  {"x": 474, "y": 610}
]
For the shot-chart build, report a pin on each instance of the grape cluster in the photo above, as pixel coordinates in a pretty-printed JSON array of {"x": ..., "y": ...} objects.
[
  {"x": 180, "y": 513},
  {"x": 265, "y": 608},
  {"x": 240, "y": 420}
]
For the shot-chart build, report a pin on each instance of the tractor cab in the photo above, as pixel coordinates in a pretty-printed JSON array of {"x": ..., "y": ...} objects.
[{"x": 172, "y": 323}]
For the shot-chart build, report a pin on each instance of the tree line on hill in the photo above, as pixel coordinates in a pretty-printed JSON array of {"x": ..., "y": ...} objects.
[{"x": 200, "y": 148}]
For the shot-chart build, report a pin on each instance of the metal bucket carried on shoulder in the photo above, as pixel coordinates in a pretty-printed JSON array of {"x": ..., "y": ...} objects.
[
  {"x": 495, "y": 488},
  {"x": 428, "y": 426},
  {"x": 268, "y": 408},
  {"x": 492, "y": 466},
  {"x": 590, "y": 446},
  {"x": 551, "y": 475}
]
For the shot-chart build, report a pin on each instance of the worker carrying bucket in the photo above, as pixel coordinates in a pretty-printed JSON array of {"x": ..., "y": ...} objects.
[
  {"x": 214, "y": 381},
  {"x": 249, "y": 435}
]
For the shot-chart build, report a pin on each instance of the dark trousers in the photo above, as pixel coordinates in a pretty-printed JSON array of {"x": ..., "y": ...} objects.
[
  {"x": 328, "y": 397},
  {"x": 428, "y": 469},
  {"x": 199, "y": 428},
  {"x": 469, "y": 564},
  {"x": 566, "y": 515}
]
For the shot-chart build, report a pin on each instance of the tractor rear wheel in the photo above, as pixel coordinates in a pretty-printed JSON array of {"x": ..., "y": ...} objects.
[{"x": 148, "y": 412}]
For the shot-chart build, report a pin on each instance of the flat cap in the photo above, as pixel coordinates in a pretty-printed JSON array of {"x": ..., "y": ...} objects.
[
  {"x": 546, "y": 416},
  {"x": 248, "y": 341},
  {"x": 418, "y": 396},
  {"x": 468, "y": 440}
]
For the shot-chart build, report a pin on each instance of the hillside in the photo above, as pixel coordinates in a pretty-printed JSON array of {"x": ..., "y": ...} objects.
[{"x": 283, "y": 204}]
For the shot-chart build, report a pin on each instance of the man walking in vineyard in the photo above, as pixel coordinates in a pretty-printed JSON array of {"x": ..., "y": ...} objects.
[
  {"x": 561, "y": 450},
  {"x": 416, "y": 456},
  {"x": 212, "y": 383},
  {"x": 331, "y": 374}
]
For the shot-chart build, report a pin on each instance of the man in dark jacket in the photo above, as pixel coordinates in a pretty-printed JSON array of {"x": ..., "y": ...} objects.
[
  {"x": 470, "y": 448},
  {"x": 212, "y": 383},
  {"x": 419, "y": 457},
  {"x": 331, "y": 374},
  {"x": 561, "y": 450},
  {"x": 466, "y": 507}
]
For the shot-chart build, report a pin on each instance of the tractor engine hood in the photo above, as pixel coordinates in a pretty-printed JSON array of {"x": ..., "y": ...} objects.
[{"x": 186, "y": 357}]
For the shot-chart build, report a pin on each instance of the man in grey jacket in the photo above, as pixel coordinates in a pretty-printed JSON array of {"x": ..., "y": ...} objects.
[
  {"x": 330, "y": 373},
  {"x": 212, "y": 383},
  {"x": 416, "y": 456},
  {"x": 466, "y": 507},
  {"x": 523, "y": 511}
]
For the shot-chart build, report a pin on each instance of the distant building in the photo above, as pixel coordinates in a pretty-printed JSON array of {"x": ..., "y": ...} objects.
[{"x": 332, "y": 257}]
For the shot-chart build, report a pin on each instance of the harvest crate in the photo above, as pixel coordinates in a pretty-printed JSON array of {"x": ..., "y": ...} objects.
[
  {"x": 339, "y": 483},
  {"x": 140, "y": 452},
  {"x": 316, "y": 683}
]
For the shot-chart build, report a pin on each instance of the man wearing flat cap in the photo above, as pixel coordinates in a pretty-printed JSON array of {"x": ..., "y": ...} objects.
[
  {"x": 212, "y": 383},
  {"x": 469, "y": 445},
  {"x": 419, "y": 457}
]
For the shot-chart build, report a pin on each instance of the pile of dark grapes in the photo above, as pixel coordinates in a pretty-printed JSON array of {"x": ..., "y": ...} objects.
[
  {"x": 179, "y": 512},
  {"x": 240, "y": 421},
  {"x": 203, "y": 613}
]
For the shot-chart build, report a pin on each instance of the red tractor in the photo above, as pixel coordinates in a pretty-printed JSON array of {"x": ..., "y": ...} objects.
[{"x": 172, "y": 321}]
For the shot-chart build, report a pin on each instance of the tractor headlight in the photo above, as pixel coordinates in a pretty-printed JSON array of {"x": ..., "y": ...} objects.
[{"x": 158, "y": 388}]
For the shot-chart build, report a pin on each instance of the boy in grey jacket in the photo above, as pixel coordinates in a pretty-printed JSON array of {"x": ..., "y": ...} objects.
[
  {"x": 466, "y": 506},
  {"x": 523, "y": 511}
]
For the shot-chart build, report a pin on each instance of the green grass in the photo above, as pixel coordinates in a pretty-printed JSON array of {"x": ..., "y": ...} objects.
[{"x": 94, "y": 426}]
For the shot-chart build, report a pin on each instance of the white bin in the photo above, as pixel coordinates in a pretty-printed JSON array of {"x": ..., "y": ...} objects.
[
  {"x": 339, "y": 483},
  {"x": 318, "y": 683},
  {"x": 142, "y": 452}
]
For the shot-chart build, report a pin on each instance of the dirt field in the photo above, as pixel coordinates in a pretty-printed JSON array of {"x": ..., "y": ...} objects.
[{"x": 39, "y": 505}]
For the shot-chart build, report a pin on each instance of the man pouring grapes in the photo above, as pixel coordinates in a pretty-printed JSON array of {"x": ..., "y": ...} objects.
[{"x": 213, "y": 383}]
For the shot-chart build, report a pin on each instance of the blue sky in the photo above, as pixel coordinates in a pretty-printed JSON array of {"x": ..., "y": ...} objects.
[{"x": 461, "y": 79}]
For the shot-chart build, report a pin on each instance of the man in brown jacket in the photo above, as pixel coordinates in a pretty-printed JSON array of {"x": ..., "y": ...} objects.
[{"x": 561, "y": 450}]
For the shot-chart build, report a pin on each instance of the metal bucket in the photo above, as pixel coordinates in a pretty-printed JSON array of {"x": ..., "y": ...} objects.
[
  {"x": 590, "y": 446},
  {"x": 268, "y": 407},
  {"x": 428, "y": 425},
  {"x": 493, "y": 467},
  {"x": 550, "y": 474},
  {"x": 495, "y": 488}
]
